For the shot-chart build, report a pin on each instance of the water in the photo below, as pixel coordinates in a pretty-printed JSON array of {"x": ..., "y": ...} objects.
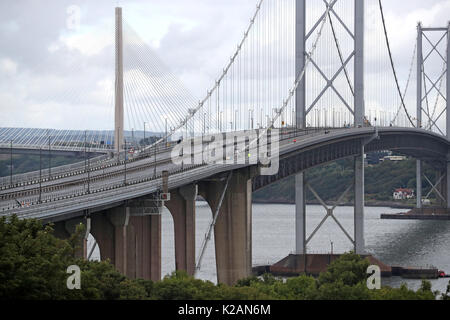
[{"x": 402, "y": 243}]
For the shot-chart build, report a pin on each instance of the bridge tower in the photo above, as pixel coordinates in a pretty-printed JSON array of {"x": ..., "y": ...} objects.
[
  {"x": 302, "y": 111},
  {"x": 119, "y": 113},
  {"x": 424, "y": 93}
]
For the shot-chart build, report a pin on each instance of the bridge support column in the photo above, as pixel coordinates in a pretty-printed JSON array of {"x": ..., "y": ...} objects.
[
  {"x": 119, "y": 218},
  {"x": 109, "y": 229},
  {"x": 447, "y": 182},
  {"x": 145, "y": 245},
  {"x": 131, "y": 243},
  {"x": 300, "y": 60},
  {"x": 65, "y": 229},
  {"x": 182, "y": 208},
  {"x": 419, "y": 184},
  {"x": 359, "y": 64},
  {"x": 103, "y": 232},
  {"x": 359, "y": 203},
  {"x": 300, "y": 214},
  {"x": 233, "y": 230}
]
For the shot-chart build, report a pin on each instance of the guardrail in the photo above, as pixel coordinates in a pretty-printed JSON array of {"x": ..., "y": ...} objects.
[
  {"x": 81, "y": 192},
  {"x": 98, "y": 163}
]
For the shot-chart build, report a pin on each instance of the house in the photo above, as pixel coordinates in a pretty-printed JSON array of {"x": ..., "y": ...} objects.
[{"x": 403, "y": 194}]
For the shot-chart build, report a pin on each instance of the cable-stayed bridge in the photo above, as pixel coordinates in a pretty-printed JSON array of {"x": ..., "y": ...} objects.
[{"x": 309, "y": 83}]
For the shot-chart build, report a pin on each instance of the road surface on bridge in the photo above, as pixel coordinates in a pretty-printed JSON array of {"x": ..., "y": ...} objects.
[{"x": 109, "y": 190}]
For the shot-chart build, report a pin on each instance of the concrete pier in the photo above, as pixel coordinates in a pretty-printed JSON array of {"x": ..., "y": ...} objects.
[
  {"x": 182, "y": 208},
  {"x": 131, "y": 243},
  {"x": 233, "y": 230}
]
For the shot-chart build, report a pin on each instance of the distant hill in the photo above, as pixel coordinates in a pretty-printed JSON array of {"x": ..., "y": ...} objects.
[{"x": 330, "y": 181}]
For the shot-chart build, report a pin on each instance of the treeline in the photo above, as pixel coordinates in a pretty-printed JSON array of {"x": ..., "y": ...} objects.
[
  {"x": 33, "y": 266},
  {"x": 331, "y": 180},
  {"x": 29, "y": 163}
]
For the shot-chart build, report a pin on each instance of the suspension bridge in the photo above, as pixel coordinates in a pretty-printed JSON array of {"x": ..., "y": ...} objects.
[{"x": 310, "y": 82}]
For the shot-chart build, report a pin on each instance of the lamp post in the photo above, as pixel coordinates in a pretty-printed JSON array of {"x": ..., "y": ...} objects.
[
  {"x": 166, "y": 134},
  {"x": 49, "y": 158},
  {"x": 125, "y": 164},
  {"x": 40, "y": 175},
  {"x": 11, "y": 165},
  {"x": 145, "y": 141},
  {"x": 85, "y": 157},
  {"x": 154, "y": 171}
]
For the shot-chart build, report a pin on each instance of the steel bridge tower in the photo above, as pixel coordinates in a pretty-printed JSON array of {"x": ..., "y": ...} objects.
[
  {"x": 302, "y": 111},
  {"x": 423, "y": 94}
]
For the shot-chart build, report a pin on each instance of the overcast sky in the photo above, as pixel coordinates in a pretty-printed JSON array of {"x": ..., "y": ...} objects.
[{"x": 47, "y": 60}]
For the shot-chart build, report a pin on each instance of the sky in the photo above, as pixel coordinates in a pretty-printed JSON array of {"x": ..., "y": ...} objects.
[{"x": 53, "y": 51}]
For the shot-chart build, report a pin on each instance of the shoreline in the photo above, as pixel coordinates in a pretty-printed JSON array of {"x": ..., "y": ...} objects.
[{"x": 370, "y": 203}]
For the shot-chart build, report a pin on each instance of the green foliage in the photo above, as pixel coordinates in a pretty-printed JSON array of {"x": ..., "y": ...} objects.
[
  {"x": 179, "y": 286},
  {"x": 403, "y": 293},
  {"x": 349, "y": 270},
  {"x": 331, "y": 180},
  {"x": 28, "y": 163}
]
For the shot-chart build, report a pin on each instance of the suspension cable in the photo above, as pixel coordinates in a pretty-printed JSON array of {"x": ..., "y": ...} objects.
[
  {"x": 297, "y": 81},
  {"x": 217, "y": 83},
  {"x": 393, "y": 66},
  {"x": 341, "y": 57},
  {"x": 407, "y": 83}
]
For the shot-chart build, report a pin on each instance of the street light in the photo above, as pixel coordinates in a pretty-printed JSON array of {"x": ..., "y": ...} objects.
[
  {"x": 144, "y": 132},
  {"x": 40, "y": 175},
  {"x": 49, "y": 157},
  {"x": 166, "y": 133},
  {"x": 154, "y": 171},
  {"x": 11, "y": 165},
  {"x": 86, "y": 163},
  {"x": 125, "y": 164}
]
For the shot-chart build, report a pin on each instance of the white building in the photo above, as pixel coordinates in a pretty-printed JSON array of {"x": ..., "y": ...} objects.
[{"x": 403, "y": 194}]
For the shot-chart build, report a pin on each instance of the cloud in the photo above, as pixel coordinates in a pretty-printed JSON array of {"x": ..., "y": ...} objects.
[
  {"x": 8, "y": 67},
  {"x": 54, "y": 76}
]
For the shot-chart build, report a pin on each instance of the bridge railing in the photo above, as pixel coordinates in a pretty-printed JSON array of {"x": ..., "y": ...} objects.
[
  {"x": 75, "y": 193},
  {"x": 106, "y": 161},
  {"x": 54, "y": 172},
  {"x": 96, "y": 163}
]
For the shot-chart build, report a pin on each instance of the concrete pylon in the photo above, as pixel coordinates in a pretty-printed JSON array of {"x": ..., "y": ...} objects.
[
  {"x": 119, "y": 113},
  {"x": 64, "y": 230},
  {"x": 109, "y": 229},
  {"x": 233, "y": 230},
  {"x": 119, "y": 218},
  {"x": 182, "y": 208},
  {"x": 145, "y": 247},
  {"x": 131, "y": 243}
]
